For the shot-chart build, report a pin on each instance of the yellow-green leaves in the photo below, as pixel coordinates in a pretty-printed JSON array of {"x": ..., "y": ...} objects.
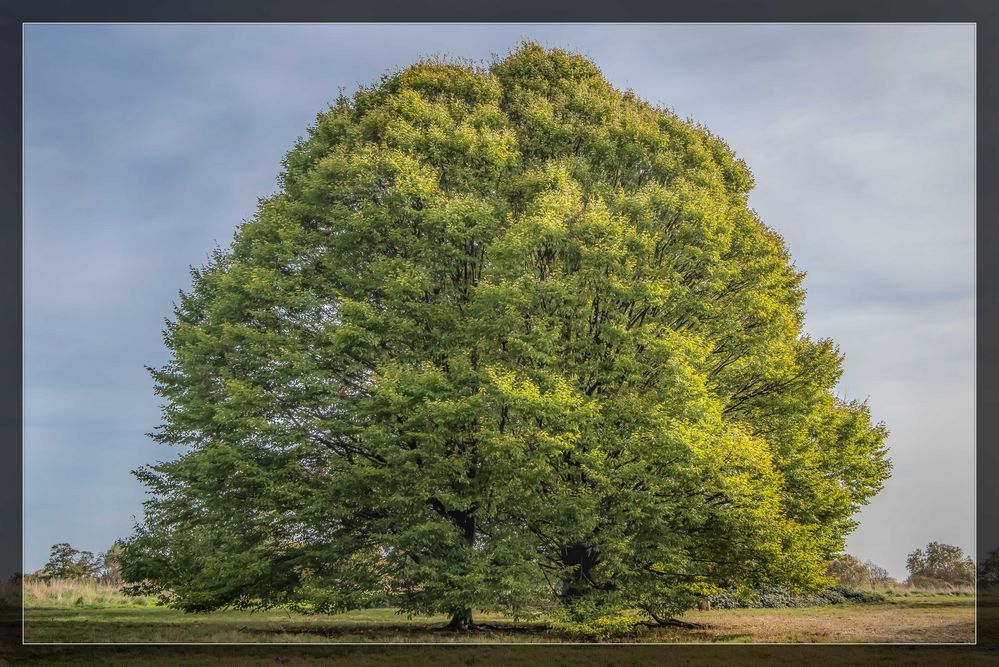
[{"x": 507, "y": 338}]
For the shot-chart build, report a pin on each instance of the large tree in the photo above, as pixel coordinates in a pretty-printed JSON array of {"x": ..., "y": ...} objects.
[{"x": 506, "y": 335}]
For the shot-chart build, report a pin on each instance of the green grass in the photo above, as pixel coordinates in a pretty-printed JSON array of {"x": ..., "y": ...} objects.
[
  {"x": 522, "y": 656},
  {"x": 941, "y": 618},
  {"x": 88, "y": 612},
  {"x": 262, "y": 655},
  {"x": 159, "y": 624}
]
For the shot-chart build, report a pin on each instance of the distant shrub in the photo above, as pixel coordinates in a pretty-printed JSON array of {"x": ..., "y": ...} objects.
[
  {"x": 855, "y": 595},
  {"x": 724, "y": 600},
  {"x": 771, "y": 597},
  {"x": 932, "y": 583}
]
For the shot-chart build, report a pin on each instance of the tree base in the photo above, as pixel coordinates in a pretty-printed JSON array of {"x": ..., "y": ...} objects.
[
  {"x": 673, "y": 622},
  {"x": 461, "y": 622}
]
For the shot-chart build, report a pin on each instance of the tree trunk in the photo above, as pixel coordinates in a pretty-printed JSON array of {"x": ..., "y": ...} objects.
[
  {"x": 468, "y": 527},
  {"x": 461, "y": 621},
  {"x": 579, "y": 581},
  {"x": 675, "y": 622}
]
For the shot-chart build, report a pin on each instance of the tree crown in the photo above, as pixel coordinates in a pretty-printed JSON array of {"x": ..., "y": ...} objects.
[{"x": 506, "y": 334}]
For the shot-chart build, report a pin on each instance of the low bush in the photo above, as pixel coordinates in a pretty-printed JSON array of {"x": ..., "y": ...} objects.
[
  {"x": 582, "y": 621},
  {"x": 725, "y": 600},
  {"x": 861, "y": 596},
  {"x": 772, "y": 597}
]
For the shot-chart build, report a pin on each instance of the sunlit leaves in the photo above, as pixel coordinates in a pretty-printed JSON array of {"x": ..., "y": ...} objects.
[{"x": 507, "y": 338}]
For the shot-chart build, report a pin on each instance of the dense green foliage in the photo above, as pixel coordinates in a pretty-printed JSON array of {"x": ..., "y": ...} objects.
[{"x": 506, "y": 338}]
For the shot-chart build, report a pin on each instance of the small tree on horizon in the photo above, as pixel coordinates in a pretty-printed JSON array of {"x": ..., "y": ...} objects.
[
  {"x": 111, "y": 563},
  {"x": 878, "y": 574},
  {"x": 65, "y": 562},
  {"x": 847, "y": 570},
  {"x": 942, "y": 563}
]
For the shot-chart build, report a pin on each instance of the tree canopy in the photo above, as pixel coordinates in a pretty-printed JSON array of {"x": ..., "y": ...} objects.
[{"x": 506, "y": 338}]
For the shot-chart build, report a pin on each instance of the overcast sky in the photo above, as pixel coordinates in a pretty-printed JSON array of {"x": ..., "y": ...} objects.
[{"x": 147, "y": 144}]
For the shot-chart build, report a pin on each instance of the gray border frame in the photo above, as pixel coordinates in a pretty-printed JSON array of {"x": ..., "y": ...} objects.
[{"x": 984, "y": 13}]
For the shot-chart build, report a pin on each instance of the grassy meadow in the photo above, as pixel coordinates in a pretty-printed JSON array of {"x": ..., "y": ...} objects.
[{"x": 90, "y": 612}]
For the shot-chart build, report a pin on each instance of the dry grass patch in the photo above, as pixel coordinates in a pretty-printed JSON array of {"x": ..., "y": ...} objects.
[
  {"x": 79, "y": 593},
  {"x": 921, "y": 619}
]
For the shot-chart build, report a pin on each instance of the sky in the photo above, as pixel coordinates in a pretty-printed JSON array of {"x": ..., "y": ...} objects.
[{"x": 146, "y": 145}]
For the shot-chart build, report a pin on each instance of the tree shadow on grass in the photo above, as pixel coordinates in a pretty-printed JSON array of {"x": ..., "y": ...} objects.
[
  {"x": 484, "y": 632},
  {"x": 381, "y": 631}
]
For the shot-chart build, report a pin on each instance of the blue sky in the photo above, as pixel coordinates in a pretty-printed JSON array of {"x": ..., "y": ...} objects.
[{"x": 145, "y": 145}]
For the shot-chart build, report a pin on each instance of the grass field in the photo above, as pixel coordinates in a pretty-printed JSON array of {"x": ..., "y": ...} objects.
[
  {"x": 985, "y": 654},
  {"x": 87, "y": 613}
]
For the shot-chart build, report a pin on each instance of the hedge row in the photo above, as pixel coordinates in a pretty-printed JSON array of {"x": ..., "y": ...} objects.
[{"x": 773, "y": 597}]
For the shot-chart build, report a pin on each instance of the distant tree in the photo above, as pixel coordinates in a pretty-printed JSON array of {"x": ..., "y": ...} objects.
[
  {"x": 847, "y": 570},
  {"x": 111, "y": 563},
  {"x": 941, "y": 562},
  {"x": 988, "y": 571},
  {"x": 67, "y": 562},
  {"x": 877, "y": 574}
]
